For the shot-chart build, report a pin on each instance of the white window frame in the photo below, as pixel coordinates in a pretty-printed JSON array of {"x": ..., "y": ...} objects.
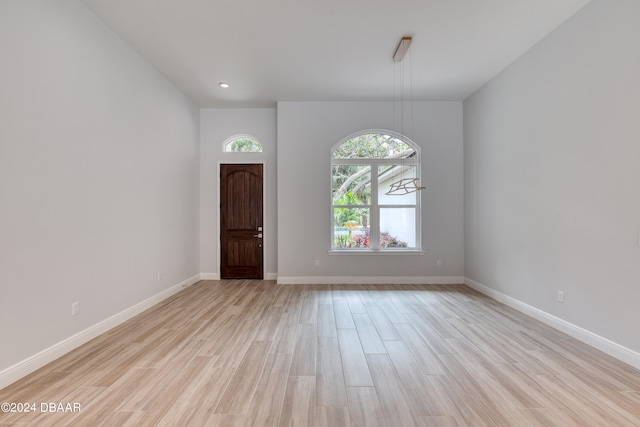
[
  {"x": 375, "y": 207},
  {"x": 227, "y": 142}
]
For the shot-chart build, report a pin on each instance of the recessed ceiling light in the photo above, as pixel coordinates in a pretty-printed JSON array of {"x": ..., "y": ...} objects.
[{"x": 223, "y": 84}]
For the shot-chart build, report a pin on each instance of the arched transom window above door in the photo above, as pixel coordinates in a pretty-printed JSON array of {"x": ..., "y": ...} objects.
[{"x": 242, "y": 144}]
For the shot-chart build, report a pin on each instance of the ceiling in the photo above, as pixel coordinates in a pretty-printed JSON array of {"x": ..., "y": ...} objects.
[{"x": 330, "y": 50}]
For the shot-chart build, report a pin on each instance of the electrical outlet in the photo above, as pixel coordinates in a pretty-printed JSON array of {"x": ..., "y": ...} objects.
[
  {"x": 561, "y": 296},
  {"x": 317, "y": 263},
  {"x": 159, "y": 277},
  {"x": 75, "y": 308},
  {"x": 439, "y": 263}
]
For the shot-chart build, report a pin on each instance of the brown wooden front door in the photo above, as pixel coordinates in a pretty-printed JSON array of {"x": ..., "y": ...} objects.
[{"x": 241, "y": 230}]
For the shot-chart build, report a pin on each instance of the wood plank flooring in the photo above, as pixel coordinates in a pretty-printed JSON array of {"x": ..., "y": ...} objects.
[{"x": 254, "y": 353}]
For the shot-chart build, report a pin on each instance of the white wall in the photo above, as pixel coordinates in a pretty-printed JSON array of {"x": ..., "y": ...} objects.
[
  {"x": 306, "y": 133},
  {"x": 98, "y": 176},
  {"x": 217, "y": 125},
  {"x": 551, "y": 174}
]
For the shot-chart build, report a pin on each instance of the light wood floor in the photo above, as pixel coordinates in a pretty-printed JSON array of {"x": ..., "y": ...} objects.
[{"x": 253, "y": 353}]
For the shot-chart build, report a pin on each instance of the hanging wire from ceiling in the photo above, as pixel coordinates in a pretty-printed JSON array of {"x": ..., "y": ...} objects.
[{"x": 403, "y": 185}]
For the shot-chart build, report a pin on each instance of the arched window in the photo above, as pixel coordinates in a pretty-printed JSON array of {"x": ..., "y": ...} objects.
[
  {"x": 242, "y": 144},
  {"x": 365, "y": 213}
]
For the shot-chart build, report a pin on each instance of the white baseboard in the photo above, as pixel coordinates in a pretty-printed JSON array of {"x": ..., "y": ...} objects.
[
  {"x": 376, "y": 280},
  {"x": 31, "y": 364},
  {"x": 609, "y": 347}
]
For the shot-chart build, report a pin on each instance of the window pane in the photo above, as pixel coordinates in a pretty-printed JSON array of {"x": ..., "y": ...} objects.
[
  {"x": 397, "y": 227},
  {"x": 351, "y": 185},
  {"x": 373, "y": 146},
  {"x": 351, "y": 228},
  {"x": 243, "y": 145},
  {"x": 389, "y": 174}
]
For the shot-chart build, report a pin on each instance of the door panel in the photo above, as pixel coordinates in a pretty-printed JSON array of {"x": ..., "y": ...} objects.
[{"x": 241, "y": 232}]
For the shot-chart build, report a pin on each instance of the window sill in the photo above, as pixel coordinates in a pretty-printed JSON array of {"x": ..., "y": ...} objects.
[{"x": 376, "y": 252}]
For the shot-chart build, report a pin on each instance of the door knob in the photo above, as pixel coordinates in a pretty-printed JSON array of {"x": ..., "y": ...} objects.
[{"x": 259, "y": 236}]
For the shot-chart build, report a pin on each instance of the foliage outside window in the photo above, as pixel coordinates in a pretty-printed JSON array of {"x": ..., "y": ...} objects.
[
  {"x": 242, "y": 144},
  {"x": 363, "y": 216}
]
